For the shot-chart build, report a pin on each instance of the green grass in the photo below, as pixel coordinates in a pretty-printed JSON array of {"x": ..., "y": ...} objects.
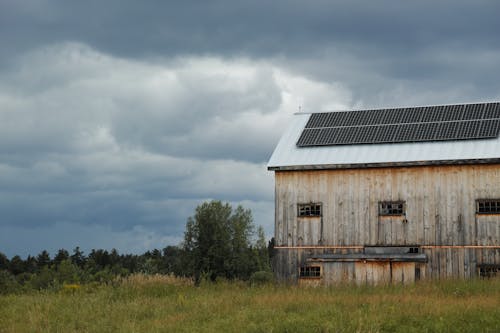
[{"x": 144, "y": 304}]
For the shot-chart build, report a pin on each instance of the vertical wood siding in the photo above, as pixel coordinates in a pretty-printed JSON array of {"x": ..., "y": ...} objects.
[{"x": 440, "y": 210}]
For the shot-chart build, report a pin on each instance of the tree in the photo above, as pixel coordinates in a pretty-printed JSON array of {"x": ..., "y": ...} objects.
[
  {"x": 67, "y": 272},
  {"x": 30, "y": 265},
  {"x": 4, "y": 261},
  {"x": 270, "y": 251},
  {"x": 61, "y": 255},
  {"x": 99, "y": 258},
  {"x": 241, "y": 229},
  {"x": 262, "y": 253},
  {"x": 217, "y": 242},
  {"x": 78, "y": 258},
  {"x": 174, "y": 261},
  {"x": 114, "y": 257},
  {"x": 8, "y": 282},
  {"x": 16, "y": 265},
  {"x": 43, "y": 259}
]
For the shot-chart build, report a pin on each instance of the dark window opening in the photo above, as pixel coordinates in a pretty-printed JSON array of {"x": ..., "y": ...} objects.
[
  {"x": 311, "y": 209},
  {"x": 488, "y": 206},
  {"x": 488, "y": 270},
  {"x": 413, "y": 250},
  {"x": 417, "y": 273},
  {"x": 391, "y": 208},
  {"x": 310, "y": 271}
]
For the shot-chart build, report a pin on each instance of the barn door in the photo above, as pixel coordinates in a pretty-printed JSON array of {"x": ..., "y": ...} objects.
[{"x": 383, "y": 272}]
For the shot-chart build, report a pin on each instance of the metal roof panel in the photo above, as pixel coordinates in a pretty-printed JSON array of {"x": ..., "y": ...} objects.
[{"x": 288, "y": 156}]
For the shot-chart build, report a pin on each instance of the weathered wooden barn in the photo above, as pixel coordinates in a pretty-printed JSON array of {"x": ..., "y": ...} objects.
[{"x": 388, "y": 195}]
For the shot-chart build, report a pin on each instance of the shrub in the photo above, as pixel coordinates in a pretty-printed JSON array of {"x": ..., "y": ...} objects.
[
  {"x": 8, "y": 283},
  {"x": 44, "y": 279},
  {"x": 261, "y": 277}
]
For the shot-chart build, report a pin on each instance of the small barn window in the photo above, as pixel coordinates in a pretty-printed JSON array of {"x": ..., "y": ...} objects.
[
  {"x": 488, "y": 270},
  {"x": 310, "y": 209},
  {"x": 391, "y": 208},
  {"x": 310, "y": 271},
  {"x": 488, "y": 206}
]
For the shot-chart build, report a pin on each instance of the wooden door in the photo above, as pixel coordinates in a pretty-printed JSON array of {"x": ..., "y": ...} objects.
[{"x": 383, "y": 272}]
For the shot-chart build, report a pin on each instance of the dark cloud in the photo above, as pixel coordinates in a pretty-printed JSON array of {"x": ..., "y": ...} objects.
[
  {"x": 117, "y": 118},
  {"x": 369, "y": 46},
  {"x": 258, "y": 28}
]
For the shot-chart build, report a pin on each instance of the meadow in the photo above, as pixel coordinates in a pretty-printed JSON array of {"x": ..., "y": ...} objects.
[{"x": 159, "y": 303}]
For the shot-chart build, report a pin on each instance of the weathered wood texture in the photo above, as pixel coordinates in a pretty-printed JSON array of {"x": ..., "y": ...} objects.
[{"x": 440, "y": 210}]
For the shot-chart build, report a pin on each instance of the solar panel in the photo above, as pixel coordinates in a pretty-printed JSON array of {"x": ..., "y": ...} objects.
[{"x": 415, "y": 124}]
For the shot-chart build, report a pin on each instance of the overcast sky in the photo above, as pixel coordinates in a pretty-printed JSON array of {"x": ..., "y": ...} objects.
[{"x": 117, "y": 118}]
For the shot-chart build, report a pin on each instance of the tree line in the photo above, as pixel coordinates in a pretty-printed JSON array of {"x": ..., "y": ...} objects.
[{"x": 219, "y": 242}]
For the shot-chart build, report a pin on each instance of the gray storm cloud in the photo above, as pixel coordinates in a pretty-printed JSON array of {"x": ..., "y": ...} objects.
[
  {"x": 129, "y": 148},
  {"x": 117, "y": 118}
]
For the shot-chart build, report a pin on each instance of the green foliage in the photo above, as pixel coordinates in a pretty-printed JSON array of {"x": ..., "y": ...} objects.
[
  {"x": 43, "y": 259},
  {"x": 218, "y": 246},
  {"x": 261, "y": 278},
  {"x": 150, "y": 266},
  {"x": 4, "y": 261},
  {"x": 8, "y": 283},
  {"x": 61, "y": 256},
  {"x": 30, "y": 265},
  {"x": 218, "y": 243},
  {"x": 16, "y": 265},
  {"x": 67, "y": 272},
  {"x": 261, "y": 251},
  {"x": 173, "y": 261},
  {"x": 104, "y": 276},
  {"x": 78, "y": 257},
  {"x": 44, "y": 279}
]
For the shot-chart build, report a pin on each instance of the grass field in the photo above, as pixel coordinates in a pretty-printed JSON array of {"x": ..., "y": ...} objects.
[{"x": 165, "y": 304}]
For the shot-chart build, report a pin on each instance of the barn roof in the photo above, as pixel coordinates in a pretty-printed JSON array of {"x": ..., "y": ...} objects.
[{"x": 443, "y": 134}]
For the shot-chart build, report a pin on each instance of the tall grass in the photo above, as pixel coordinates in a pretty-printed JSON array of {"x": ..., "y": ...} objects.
[{"x": 166, "y": 304}]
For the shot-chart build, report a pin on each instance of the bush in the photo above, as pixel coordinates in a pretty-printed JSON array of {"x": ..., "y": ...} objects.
[
  {"x": 67, "y": 272},
  {"x": 8, "y": 283},
  {"x": 261, "y": 278},
  {"x": 44, "y": 279}
]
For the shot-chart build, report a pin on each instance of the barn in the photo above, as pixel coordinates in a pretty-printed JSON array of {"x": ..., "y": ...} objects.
[{"x": 388, "y": 195}]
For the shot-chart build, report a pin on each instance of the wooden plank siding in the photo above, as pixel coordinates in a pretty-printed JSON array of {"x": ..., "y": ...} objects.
[{"x": 440, "y": 211}]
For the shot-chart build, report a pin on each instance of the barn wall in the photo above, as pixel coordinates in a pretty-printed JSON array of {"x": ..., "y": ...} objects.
[{"x": 440, "y": 210}]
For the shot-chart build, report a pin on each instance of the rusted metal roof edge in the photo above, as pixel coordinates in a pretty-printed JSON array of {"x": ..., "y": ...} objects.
[{"x": 383, "y": 165}]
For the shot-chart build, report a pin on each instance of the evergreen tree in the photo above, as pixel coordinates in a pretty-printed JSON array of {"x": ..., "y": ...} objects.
[
  {"x": 43, "y": 259},
  {"x": 78, "y": 257},
  {"x": 114, "y": 257},
  {"x": 4, "y": 261},
  {"x": 100, "y": 258},
  {"x": 16, "y": 265},
  {"x": 61, "y": 255},
  {"x": 30, "y": 265}
]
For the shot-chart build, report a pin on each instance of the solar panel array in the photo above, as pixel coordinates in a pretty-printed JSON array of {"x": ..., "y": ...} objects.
[{"x": 416, "y": 124}]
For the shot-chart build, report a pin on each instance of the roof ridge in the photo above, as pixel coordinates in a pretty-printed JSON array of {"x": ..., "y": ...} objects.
[{"x": 398, "y": 107}]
